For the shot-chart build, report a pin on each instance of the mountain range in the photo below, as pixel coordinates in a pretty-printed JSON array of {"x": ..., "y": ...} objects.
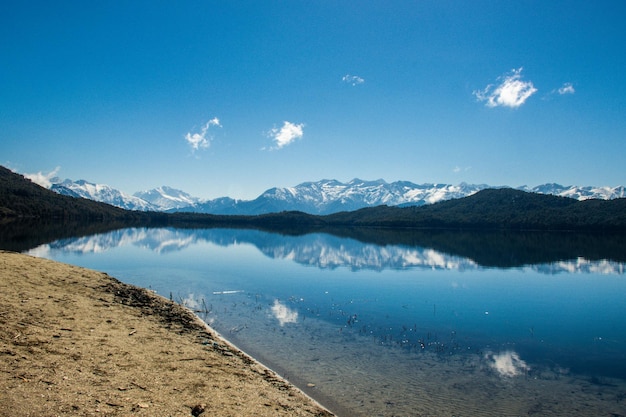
[
  {"x": 103, "y": 194},
  {"x": 319, "y": 198},
  {"x": 22, "y": 200}
]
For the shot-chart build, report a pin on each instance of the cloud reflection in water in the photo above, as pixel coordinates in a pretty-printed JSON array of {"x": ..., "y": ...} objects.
[
  {"x": 507, "y": 364},
  {"x": 283, "y": 313}
]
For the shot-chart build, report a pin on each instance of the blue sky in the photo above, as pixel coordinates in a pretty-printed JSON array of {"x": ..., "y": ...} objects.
[{"x": 231, "y": 98}]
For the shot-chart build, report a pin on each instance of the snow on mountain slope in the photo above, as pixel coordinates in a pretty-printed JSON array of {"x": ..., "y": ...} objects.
[
  {"x": 321, "y": 197},
  {"x": 167, "y": 198},
  {"x": 102, "y": 193},
  {"x": 580, "y": 193},
  {"x": 330, "y": 196}
]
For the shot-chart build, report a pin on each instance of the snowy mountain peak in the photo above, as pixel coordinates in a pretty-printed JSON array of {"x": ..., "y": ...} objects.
[
  {"x": 322, "y": 197},
  {"x": 356, "y": 182},
  {"x": 330, "y": 196},
  {"x": 167, "y": 198},
  {"x": 579, "y": 193},
  {"x": 102, "y": 193}
]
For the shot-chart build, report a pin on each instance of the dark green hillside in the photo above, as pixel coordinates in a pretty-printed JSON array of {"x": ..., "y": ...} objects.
[
  {"x": 21, "y": 198},
  {"x": 490, "y": 209},
  {"x": 497, "y": 209}
]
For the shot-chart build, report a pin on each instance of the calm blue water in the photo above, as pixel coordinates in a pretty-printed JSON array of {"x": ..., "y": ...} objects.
[{"x": 391, "y": 329}]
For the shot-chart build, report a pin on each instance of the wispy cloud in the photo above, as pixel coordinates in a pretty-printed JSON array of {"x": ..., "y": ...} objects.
[
  {"x": 287, "y": 134},
  {"x": 43, "y": 179},
  {"x": 353, "y": 80},
  {"x": 567, "y": 88},
  {"x": 458, "y": 169},
  {"x": 202, "y": 140},
  {"x": 511, "y": 91}
]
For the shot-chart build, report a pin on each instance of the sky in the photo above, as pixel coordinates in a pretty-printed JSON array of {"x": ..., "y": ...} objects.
[{"x": 231, "y": 98}]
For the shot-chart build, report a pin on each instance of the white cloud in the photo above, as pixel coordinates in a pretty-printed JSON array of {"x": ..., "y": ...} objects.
[
  {"x": 202, "y": 140},
  {"x": 287, "y": 134},
  {"x": 510, "y": 92},
  {"x": 507, "y": 363},
  {"x": 352, "y": 79},
  {"x": 215, "y": 122},
  {"x": 284, "y": 314},
  {"x": 43, "y": 179},
  {"x": 458, "y": 169},
  {"x": 567, "y": 88}
]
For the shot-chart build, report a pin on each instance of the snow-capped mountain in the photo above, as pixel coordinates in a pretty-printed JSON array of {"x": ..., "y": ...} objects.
[
  {"x": 579, "y": 193},
  {"x": 321, "y": 197},
  {"x": 331, "y": 196},
  {"x": 167, "y": 198},
  {"x": 102, "y": 193}
]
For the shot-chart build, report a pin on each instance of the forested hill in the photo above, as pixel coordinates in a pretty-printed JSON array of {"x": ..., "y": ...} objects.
[
  {"x": 497, "y": 209},
  {"x": 493, "y": 209},
  {"x": 21, "y": 198}
]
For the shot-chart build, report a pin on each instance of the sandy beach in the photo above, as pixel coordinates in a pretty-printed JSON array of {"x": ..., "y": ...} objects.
[{"x": 79, "y": 342}]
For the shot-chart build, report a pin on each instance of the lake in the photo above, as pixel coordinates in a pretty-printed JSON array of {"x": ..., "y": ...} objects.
[{"x": 379, "y": 323}]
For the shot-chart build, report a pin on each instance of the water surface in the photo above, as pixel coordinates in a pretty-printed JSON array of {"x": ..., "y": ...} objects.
[{"x": 396, "y": 327}]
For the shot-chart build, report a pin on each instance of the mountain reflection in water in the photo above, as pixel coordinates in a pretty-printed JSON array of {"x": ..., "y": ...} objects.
[{"x": 545, "y": 252}]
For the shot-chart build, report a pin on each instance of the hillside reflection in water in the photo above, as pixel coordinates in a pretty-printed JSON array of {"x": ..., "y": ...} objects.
[{"x": 386, "y": 325}]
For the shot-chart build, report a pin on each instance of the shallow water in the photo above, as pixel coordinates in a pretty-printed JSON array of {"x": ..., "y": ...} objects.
[{"x": 391, "y": 329}]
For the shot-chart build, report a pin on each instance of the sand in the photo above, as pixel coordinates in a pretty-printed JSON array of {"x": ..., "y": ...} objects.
[{"x": 79, "y": 342}]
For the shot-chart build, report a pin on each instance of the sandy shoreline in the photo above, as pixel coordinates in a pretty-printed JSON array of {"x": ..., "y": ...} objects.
[{"x": 79, "y": 342}]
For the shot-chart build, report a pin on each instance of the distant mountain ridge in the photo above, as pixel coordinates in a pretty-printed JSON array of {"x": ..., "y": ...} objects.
[
  {"x": 101, "y": 193},
  {"x": 319, "y": 198},
  {"x": 494, "y": 209},
  {"x": 167, "y": 198},
  {"x": 487, "y": 209},
  {"x": 20, "y": 198}
]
